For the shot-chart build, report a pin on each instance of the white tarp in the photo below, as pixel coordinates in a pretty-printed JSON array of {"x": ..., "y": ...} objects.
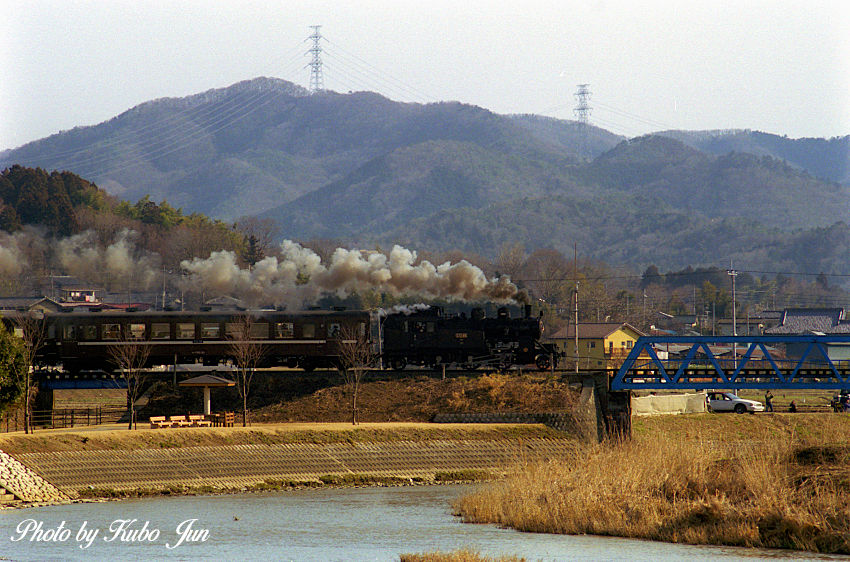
[{"x": 668, "y": 404}]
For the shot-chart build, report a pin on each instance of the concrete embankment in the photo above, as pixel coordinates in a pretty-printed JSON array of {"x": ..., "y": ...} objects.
[
  {"x": 201, "y": 459},
  {"x": 19, "y": 483}
]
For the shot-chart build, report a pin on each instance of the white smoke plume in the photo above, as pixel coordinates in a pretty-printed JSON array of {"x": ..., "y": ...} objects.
[
  {"x": 12, "y": 259},
  {"x": 81, "y": 256},
  {"x": 300, "y": 276}
]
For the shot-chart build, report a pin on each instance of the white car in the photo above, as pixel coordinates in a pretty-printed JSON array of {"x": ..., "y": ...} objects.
[{"x": 728, "y": 402}]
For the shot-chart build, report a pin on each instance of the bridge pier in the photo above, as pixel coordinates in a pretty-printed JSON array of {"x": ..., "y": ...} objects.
[{"x": 605, "y": 414}]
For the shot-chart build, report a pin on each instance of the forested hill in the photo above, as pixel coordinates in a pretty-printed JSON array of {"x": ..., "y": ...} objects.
[
  {"x": 364, "y": 169},
  {"x": 265, "y": 142},
  {"x": 34, "y": 197},
  {"x": 828, "y": 159}
]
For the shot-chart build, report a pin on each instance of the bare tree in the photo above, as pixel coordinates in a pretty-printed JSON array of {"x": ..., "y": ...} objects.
[
  {"x": 510, "y": 259},
  {"x": 259, "y": 235},
  {"x": 247, "y": 354},
  {"x": 550, "y": 275},
  {"x": 30, "y": 328},
  {"x": 356, "y": 355},
  {"x": 129, "y": 355}
]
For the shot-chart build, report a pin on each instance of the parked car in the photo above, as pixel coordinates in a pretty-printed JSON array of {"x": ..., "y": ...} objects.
[{"x": 729, "y": 402}]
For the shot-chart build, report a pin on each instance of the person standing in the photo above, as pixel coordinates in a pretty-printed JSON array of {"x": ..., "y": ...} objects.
[{"x": 768, "y": 401}]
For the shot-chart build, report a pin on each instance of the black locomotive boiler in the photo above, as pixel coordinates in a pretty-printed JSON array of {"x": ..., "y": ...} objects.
[{"x": 431, "y": 338}]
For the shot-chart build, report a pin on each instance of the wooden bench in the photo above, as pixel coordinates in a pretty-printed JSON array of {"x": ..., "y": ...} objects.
[
  {"x": 223, "y": 419},
  {"x": 159, "y": 422},
  {"x": 198, "y": 420},
  {"x": 179, "y": 421}
]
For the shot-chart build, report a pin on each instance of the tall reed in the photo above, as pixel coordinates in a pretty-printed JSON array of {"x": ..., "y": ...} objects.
[{"x": 754, "y": 493}]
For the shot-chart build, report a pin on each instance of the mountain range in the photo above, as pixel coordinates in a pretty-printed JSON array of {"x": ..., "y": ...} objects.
[{"x": 360, "y": 167}]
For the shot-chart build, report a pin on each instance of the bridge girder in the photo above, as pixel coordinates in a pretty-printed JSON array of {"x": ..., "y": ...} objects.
[{"x": 764, "y": 363}]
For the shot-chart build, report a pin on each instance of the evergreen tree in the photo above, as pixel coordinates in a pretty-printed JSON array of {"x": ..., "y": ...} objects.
[{"x": 12, "y": 367}]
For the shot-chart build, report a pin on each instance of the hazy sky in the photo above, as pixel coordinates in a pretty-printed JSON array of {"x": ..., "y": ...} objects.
[{"x": 776, "y": 66}]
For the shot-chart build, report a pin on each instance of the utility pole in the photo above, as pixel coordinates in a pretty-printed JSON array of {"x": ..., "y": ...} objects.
[
  {"x": 733, "y": 273},
  {"x": 317, "y": 83},
  {"x": 575, "y": 275}
]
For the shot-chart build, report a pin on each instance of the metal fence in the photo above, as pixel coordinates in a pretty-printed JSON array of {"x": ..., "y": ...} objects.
[{"x": 61, "y": 418}]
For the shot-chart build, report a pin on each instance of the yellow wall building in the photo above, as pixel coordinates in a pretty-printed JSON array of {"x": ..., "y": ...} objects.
[{"x": 600, "y": 344}]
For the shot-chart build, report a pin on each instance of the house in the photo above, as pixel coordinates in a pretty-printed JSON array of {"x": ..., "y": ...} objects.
[
  {"x": 807, "y": 320},
  {"x": 814, "y": 321},
  {"x": 28, "y": 304},
  {"x": 600, "y": 344}
]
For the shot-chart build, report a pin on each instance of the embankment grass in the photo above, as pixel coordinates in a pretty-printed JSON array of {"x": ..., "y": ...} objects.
[
  {"x": 272, "y": 434},
  {"x": 783, "y": 484}
]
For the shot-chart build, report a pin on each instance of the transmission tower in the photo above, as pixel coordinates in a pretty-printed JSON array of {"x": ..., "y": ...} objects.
[
  {"x": 582, "y": 110},
  {"x": 317, "y": 83}
]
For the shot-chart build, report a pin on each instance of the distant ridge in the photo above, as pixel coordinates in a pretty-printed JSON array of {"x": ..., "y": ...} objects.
[{"x": 363, "y": 168}]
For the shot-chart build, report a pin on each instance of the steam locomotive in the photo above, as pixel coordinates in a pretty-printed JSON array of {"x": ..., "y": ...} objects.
[
  {"x": 82, "y": 341},
  {"x": 432, "y": 338}
]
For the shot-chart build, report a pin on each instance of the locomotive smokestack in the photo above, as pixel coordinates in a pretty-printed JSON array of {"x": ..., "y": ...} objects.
[{"x": 527, "y": 309}]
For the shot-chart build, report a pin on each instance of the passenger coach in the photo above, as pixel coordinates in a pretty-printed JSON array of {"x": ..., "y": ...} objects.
[{"x": 81, "y": 340}]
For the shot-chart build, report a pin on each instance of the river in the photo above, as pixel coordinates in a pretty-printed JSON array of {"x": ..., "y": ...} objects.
[{"x": 307, "y": 525}]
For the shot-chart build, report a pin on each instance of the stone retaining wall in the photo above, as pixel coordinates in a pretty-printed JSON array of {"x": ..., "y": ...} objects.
[
  {"x": 232, "y": 466},
  {"x": 19, "y": 483}
]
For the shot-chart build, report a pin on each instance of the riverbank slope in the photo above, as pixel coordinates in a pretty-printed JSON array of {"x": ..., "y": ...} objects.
[{"x": 90, "y": 463}]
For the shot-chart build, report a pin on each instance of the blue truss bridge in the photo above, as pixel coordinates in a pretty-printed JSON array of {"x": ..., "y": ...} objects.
[{"x": 740, "y": 362}]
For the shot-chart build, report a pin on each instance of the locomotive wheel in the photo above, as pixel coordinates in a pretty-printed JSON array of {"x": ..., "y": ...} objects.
[
  {"x": 398, "y": 363},
  {"x": 543, "y": 362}
]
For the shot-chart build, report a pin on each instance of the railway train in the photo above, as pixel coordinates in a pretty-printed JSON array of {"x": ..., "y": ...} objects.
[{"x": 80, "y": 341}]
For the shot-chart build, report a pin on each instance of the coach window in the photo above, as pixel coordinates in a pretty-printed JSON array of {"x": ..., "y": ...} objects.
[
  {"x": 285, "y": 330},
  {"x": 135, "y": 331},
  {"x": 88, "y": 332},
  {"x": 185, "y": 331},
  {"x": 69, "y": 333},
  {"x": 112, "y": 331},
  {"x": 160, "y": 331},
  {"x": 259, "y": 331},
  {"x": 210, "y": 330},
  {"x": 333, "y": 330},
  {"x": 308, "y": 331}
]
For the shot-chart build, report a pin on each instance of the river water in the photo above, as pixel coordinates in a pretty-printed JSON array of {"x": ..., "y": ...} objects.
[{"x": 307, "y": 525}]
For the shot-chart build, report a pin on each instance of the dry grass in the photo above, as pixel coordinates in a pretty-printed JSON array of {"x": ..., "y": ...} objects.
[
  {"x": 456, "y": 556},
  {"x": 87, "y": 439},
  {"x": 783, "y": 490},
  {"x": 420, "y": 398}
]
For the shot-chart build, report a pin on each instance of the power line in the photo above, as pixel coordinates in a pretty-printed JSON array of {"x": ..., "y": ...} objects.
[
  {"x": 213, "y": 118},
  {"x": 685, "y": 273},
  {"x": 370, "y": 70}
]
